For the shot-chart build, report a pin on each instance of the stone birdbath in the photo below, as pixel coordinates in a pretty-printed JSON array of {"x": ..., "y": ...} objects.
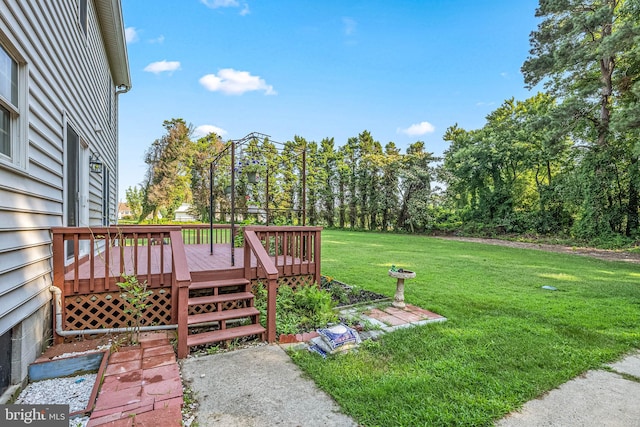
[{"x": 401, "y": 275}]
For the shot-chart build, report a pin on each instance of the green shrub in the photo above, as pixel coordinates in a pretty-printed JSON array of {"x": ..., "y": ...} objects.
[{"x": 304, "y": 309}]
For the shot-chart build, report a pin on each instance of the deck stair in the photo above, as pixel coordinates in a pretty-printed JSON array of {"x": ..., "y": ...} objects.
[{"x": 221, "y": 304}]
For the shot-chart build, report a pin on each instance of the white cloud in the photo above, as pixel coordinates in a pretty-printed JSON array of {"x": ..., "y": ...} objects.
[
  {"x": 233, "y": 82},
  {"x": 158, "y": 40},
  {"x": 131, "y": 35},
  {"x": 204, "y": 130},
  {"x": 418, "y": 129},
  {"x": 162, "y": 66},
  {"x": 214, "y": 4},
  {"x": 349, "y": 26}
]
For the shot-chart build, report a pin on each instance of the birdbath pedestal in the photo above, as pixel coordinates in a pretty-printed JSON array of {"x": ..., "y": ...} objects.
[{"x": 401, "y": 275}]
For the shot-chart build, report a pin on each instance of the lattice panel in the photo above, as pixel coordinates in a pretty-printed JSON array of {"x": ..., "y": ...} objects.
[
  {"x": 107, "y": 310},
  {"x": 295, "y": 281}
]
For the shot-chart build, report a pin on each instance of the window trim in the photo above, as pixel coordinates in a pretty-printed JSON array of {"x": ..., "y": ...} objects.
[{"x": 18, "y": 113}]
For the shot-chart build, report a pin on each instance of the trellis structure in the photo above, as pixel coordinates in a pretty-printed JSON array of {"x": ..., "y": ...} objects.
[{"x": 230, "y": 150}]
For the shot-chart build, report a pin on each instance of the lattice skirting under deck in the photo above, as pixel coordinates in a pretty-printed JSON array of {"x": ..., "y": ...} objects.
[
  {"x": 293, "y": 281},
  {"x": 108, "y": 310}
]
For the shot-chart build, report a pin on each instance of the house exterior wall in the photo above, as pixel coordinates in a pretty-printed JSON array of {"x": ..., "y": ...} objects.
[{"x": 65, "y": 80}]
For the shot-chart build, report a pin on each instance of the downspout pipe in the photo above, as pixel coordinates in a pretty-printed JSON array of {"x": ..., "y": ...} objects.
[
  {"x": 57, "y": 296},
  {"x": 122, "y": 89}
]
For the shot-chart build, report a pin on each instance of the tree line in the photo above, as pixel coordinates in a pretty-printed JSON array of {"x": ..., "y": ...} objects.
[{"x": 563, "y": 162}]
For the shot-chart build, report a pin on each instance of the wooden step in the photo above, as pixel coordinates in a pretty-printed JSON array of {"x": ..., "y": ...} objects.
[
  {"x": 217, "y": 316},
  {"x": 224, "y": 334},
  {"x": 208, "y": 284},
  {"x": 213, "y": 299}
]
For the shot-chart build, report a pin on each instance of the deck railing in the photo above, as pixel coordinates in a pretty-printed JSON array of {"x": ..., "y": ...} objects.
[
  {"x": 295, "y": 250},
  {"x": 196, "y": 234},
  {"x": 137, "y": 253}
]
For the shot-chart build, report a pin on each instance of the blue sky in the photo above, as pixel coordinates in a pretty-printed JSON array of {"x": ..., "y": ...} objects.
[{"x": 403, "y": 70}]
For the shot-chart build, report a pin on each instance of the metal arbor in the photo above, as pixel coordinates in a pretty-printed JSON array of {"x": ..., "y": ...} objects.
[{"x": 230, "y": 149}]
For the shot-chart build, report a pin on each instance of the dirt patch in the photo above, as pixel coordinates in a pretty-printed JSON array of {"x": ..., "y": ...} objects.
[
  {"x": 345, "y": 295},
  {"x": 604, "y": 254}
]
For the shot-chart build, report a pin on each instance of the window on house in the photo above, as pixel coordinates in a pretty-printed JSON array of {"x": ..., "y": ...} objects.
[
  {"x": 8, "y": 102},
  {"x": 83, "y": 16}
]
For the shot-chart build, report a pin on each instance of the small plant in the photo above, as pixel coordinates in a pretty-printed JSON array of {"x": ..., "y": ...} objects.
[
  {"x": 135, "y": 295},
  {"x": 238, "y": 240}
]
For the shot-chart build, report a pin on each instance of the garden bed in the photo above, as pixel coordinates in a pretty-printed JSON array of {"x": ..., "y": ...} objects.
[{"x": 345, "y": 295}]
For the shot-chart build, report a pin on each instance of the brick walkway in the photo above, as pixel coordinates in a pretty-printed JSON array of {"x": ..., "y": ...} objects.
[
  {"x": 141, "y": 386},
  {"x": 399, "y": 317}
]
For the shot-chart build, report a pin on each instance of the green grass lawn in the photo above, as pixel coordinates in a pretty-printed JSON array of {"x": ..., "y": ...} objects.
[{"x": 506, "y": 340}]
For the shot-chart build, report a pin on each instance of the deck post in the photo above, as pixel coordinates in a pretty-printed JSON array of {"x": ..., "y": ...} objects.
[
  {"x": 180, "y": 282},
  {"x": 316, "y": 256},
  {"x": 58, "y": 275},
  {"x": 183, "y": 329},
  {"x": 272, "y": 289}
]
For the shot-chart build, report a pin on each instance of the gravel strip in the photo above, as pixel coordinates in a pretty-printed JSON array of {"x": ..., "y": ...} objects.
[{"x": 73, "y": 391}]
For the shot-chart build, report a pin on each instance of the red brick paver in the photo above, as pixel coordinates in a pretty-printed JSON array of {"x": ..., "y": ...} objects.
[
  {"x": 141, "y": 387},
  {"x": 395, "y": 316}
]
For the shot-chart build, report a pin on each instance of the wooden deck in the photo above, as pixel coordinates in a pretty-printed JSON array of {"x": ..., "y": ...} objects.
[{"x": 170, "y": 259}]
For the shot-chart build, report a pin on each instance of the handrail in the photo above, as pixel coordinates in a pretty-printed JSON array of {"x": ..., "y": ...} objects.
[
  {"x": 253, "y": 244},
  {"x": 181, "y": 279}
]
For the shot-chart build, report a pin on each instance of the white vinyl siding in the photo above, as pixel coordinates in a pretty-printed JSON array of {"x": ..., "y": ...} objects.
[{"x": 62, "y": 70}]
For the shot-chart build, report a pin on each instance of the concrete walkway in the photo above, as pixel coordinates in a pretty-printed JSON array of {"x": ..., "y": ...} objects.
[
  {"x": 603, "y": 398},
  {"x": 256, "y": 387},
  {"x": 260, "y": 386}
]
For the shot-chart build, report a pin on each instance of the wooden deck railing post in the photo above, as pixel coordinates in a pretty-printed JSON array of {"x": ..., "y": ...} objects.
[
  {"x": 247, "y": 259},
  {"x": 316, "y": 256},
  {"x": 181, "y": 279},
  {"x": 272, "y": 290},
  {"x": 58, "y": 273}
]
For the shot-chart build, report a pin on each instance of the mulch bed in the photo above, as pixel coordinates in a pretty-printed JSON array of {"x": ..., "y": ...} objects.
[{"x": 346, "y": 295}]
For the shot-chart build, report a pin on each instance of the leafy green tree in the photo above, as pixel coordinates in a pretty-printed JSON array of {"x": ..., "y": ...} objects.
[
  {"x": 390, "y": 164},
  {"x": 327, "y": 180},
  {"x": 168, "y": 170},
  {"x": 134, "y": 197},
  {"x": 416, "y": 177},
  {"x": 577, "y": 51},
  {"x": 204, "y": 150},
  {"x": 350, "y": 159},
  {"x": 313, "y": 183}
]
